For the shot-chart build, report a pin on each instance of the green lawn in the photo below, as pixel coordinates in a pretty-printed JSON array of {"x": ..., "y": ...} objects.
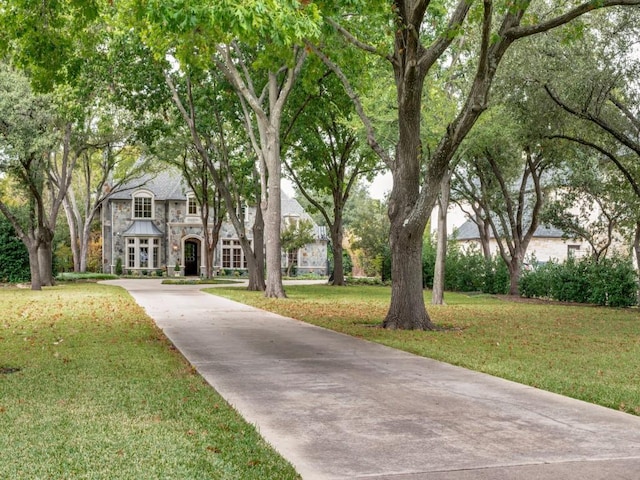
[
  {"x": 584, "y": 352},
  {"x": 101, "y": 394}
]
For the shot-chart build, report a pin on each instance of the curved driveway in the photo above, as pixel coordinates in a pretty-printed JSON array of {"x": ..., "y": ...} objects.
[{"x": 342, "y": 408}]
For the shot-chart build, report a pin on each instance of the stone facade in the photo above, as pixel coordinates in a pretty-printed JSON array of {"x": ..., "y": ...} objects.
[{"x": 149, "y": 230}]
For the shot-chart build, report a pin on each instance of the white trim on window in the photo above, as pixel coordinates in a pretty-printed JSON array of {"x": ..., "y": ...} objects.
[
  {"x": 193, "y": 208},
  {"x": 142, "y": 205},
  {"x": 232, "y": 255},
  {"x": 143, "y": 253}
]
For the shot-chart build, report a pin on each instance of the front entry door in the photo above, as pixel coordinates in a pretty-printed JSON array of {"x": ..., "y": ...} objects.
[{"x": 191, "y": 257}]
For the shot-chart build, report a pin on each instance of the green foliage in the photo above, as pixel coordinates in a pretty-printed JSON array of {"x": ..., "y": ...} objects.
[
  {"x": 296, "y": 235},
  {"x": 347, "y": 262},
  {"x": 51, "y": 40},
  {"x": 614, "y": 283},
  {"x": 119, "y": 266},
  {"x": 14, "y": 258},
  {"x": 79, "y": 277},
  {"x": 466, "y": 271},
  {"x": 190, "y": 29},
  {"x": 62, "y": 257},
  {"x": 366, "y": 281},
  {"x": 610, "y": 282},
  {"x": 368, "y": 224}
]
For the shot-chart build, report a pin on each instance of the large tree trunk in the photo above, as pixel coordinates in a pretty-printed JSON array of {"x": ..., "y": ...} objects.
[
  {"x": 72, "y": 222},
  {"x": 85, "y": 240},
  {"x": 437, "y": 294},
  {"x": 34, "y": 265},
  {"x": 45, "y": 261},
  {"x": 636, "y": 244},
  {"x": 336, "y": 247},
  {"x": 515, "y": 272},
  {"x": 207, "y": 250},
  {"x": 211, "y": 240},
  {"x": 273, "y": 215},
  {"x": 407, "y": 310},
  {"x": 256, "y": 273},
  {"x": 636, "y": 249},
  {"x": 484, "y": 230}
]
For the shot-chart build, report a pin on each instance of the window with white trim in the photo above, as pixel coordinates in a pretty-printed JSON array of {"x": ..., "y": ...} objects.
[
  {"x": 232, "y": 254},
  {"x": 142, "y": 205},
  {"x": 192, "y": 205},
  {"x": 143, "y": 252}
]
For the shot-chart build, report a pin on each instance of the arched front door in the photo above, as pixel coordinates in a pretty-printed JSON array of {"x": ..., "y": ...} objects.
[{"x": 191, "y": 254}]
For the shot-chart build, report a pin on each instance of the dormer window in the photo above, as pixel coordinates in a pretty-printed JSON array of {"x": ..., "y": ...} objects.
[{"x": 143, "y": 205}]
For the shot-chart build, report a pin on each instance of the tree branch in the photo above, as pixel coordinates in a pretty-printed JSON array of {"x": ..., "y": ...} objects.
[
  {"x": 371, "y": 136},
  {"x": 349, "y": 37},
  {"x": 603, "y": 124},
  {"x": 635, "y": 121},
  {"x": 526, "y": 31},
  {"x": 438, "y": 47},
  {"x": 627, "y": 174}
]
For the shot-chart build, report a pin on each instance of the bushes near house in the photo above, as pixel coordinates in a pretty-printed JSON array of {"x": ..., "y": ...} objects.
[
  {"x": 119, "y": 270},
  {"x": 466, "y": 271},
  {"x": 84, "y": 277},
  {"x": 14, "y": 258},
  {"x": 610, "y": 282}
]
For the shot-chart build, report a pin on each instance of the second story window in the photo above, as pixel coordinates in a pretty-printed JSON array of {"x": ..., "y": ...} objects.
[
  {"x": 192, "y": 205},
  {"x": 143, "y": 205}
]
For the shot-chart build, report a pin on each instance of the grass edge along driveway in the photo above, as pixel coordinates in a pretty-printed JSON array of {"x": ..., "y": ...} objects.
[
  {"x": 584, "y": 352},
  {"x": 90, "y": 388}
]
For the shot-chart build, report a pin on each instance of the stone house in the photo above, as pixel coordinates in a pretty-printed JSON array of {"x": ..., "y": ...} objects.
[
  {"x": 156, "y": 227},
  {"x": 546, "y": 244}
]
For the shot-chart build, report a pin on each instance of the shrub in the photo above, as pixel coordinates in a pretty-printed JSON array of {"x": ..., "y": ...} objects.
[
  {"x": 465, "y": 271},
  {"x": 610, "y": 282},
  {"x": 14, "y": 258},
  {"x": 536, "y": 283},
  {"x": 496, "y": 278},
  {"x": 613, "y": 282},
  {"x": 118, "y": 266},
  {"x": 569, "y": 282}
]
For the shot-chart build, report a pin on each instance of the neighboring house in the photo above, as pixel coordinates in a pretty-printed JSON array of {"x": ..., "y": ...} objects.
[
  {"x": 547, "y": 243},
  {"x": 157, "y": 226}
]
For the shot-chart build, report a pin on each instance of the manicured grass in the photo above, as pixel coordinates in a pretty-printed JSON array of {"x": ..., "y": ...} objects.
[
  {"x": 583, "y": 352},
  {"x": 203, "y": 281},
  {"x": 101, "y": 394},
  {"x": 88, "y": 276}
]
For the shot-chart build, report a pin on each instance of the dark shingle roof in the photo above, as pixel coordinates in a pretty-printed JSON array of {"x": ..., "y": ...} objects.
[
  {"x": 170, "y": 185},
  {"x": 165, "y": 185}
]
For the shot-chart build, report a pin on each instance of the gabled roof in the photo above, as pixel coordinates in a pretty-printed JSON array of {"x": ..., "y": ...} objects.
[
  {"x": 170, "y": 185},
  {"x": 469, "y": 231},
  {"x": 165, "y": 185}
]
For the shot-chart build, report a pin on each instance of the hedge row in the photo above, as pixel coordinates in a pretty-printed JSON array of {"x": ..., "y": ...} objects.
[
  {"x": 611, "y": 282},
  {"x": 14, "y": 258},
  {"x": 466, "y": 272}
]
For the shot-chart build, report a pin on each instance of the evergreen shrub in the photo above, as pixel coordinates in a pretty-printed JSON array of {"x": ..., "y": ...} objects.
[
  {"x": 466, "y": 271},
  {"x": 14, "y": 258},
  {"x": 610, "y": 282}
]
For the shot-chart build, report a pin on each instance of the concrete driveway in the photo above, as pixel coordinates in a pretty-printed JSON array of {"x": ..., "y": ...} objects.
[{"x": 342, "y": 408}]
